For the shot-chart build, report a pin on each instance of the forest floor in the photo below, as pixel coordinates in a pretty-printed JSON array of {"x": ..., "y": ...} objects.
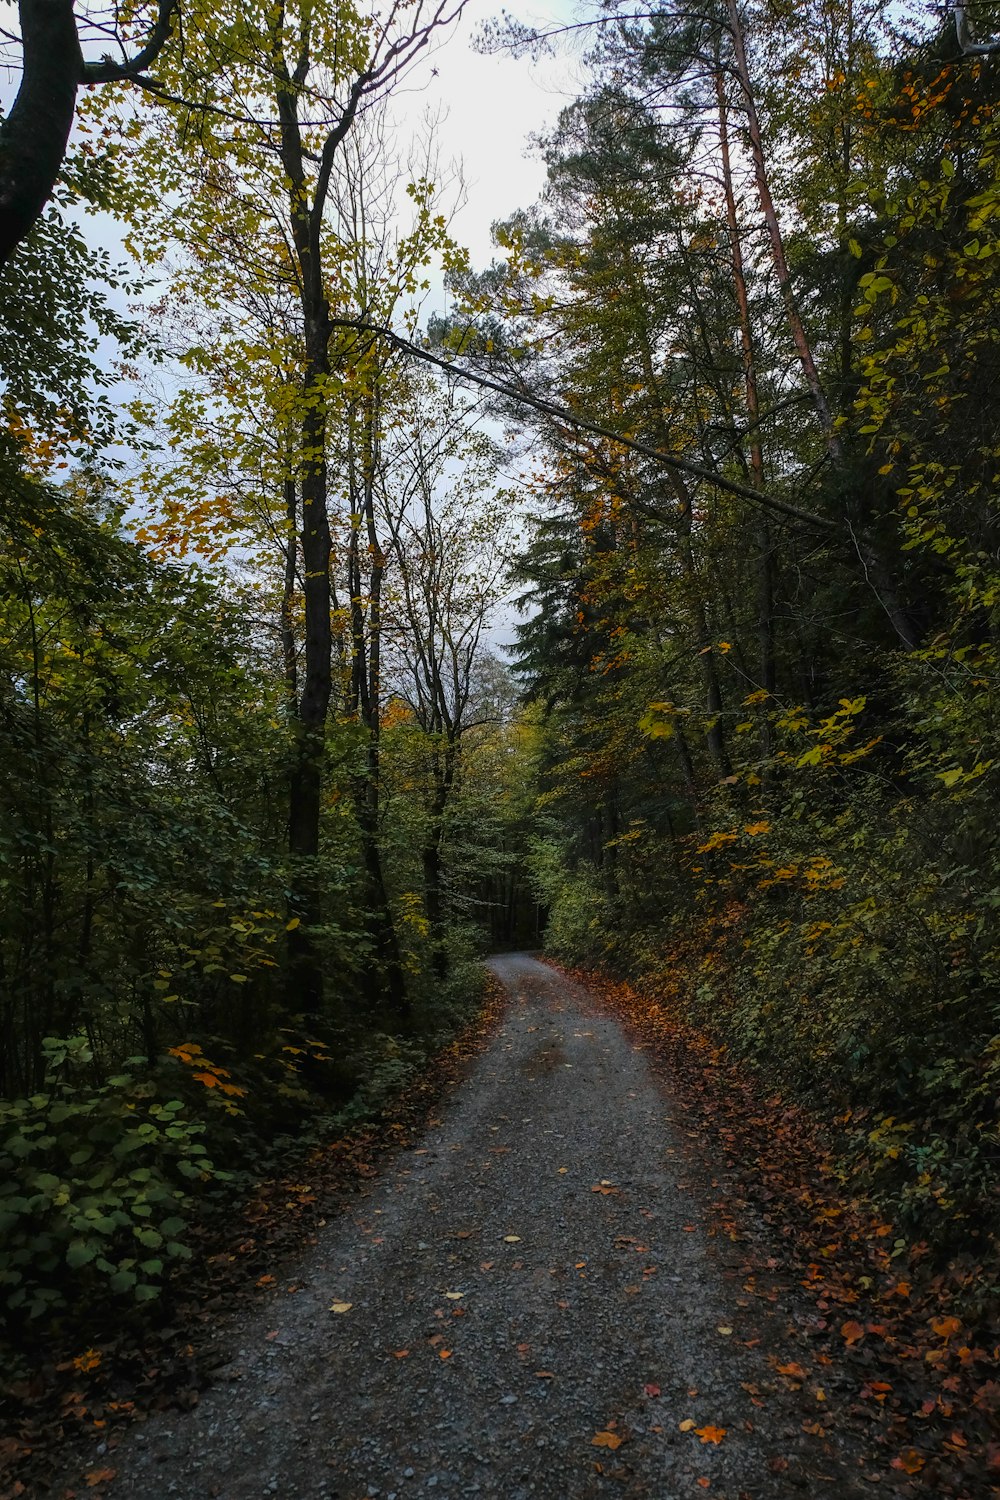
[{"x": 562, "y": 1289}]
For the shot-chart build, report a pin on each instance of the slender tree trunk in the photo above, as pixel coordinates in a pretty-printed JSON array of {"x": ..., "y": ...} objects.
[
  {"x": 288, "y": 643},
  {"x": 765, "y": 558},
  {"x": 778, "y": 256}
]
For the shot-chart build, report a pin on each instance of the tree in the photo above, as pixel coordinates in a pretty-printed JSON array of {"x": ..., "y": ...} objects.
[{"x": 267, "y": 170}]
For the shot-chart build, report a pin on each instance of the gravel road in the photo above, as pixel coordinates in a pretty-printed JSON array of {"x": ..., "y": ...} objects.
[{"x": 527, "y": 1278}]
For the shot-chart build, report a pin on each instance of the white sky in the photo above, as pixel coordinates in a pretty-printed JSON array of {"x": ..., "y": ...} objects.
[{"x": 491, "y": 105}]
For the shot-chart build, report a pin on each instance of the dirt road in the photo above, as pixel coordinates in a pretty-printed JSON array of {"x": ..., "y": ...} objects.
[{"x": 527, "y": 1280}]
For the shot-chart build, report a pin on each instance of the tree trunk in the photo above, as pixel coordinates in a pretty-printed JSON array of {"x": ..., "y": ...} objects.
[
  {"x": 34, "y": 135},
  {"x": 765, "y": 559}
]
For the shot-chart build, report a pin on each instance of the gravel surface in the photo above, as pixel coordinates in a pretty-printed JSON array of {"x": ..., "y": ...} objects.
[{"x": 527, "y": 1278}]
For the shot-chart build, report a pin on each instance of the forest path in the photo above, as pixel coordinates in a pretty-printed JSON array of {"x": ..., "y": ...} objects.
[{"x": 540, "y": 1262}]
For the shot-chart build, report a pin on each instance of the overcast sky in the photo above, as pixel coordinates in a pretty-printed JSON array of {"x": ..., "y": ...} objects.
[{"x": 491, "y": 105}]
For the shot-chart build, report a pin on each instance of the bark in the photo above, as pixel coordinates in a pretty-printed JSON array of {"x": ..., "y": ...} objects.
[
  {"x": 765, "y": 557},
  {"x": 288, "y": 644},
  {"x": 34, "y": 135},
  {"x": 305, "y": 790},
  {"x": 384, "y": 976}
]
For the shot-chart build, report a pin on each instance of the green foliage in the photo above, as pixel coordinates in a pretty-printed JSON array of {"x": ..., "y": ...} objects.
[{"x": 98, "y": 1184}]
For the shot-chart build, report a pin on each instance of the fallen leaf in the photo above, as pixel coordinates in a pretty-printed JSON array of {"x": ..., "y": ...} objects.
[
  {"x": 512, "y": 1239},
  {"x": 99, "y": 1476},
  {"x": 454, "y": 1296},
  {"x": 704, "y": 1482},
  {"x": 544, "y": 1375},
  {"x": 444, "y": 1353},
  {"x": 651, "y": 1390},
  {"x": 853, "y": 1332},
  {"x": 724, "y": 1331},
  {"x": 910, "y": 1461},
  {"x": 686, "y": 1425},
  {"x": 711, "y": 1434},
  {"x": 945, "y": 1327},
  {"x": 341, "y": 1307},
  {"x": 400, "y": 1353},
  {"x": 794, "y": 1371},
  {"x": 606, "y": 1440}
]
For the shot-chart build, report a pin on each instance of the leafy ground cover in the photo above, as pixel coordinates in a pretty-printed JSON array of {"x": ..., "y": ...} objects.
[
  {"x": 917, "y": 1341},
  {"x": 75, "y": 1384}
]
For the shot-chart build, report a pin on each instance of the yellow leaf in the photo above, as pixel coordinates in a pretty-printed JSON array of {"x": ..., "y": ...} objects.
[
  {"x": 341, "y": 1307},
  {"x": 291, "y": 926},
  {"x": 687, "y": 1425},
  {"x": 454, "y": 1296},
  {"x": 606, "y": 1440},
  {"x": 512, "y": 1239}
]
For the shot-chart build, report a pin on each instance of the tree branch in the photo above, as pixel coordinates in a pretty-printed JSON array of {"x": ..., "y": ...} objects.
[
  {"x": 963, "y": 31},
  {"x": 109, "y": 71},
  {"x": 584, "y": 424}
]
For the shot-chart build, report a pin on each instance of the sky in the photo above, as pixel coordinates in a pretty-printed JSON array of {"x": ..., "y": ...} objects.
[{"x": 491, "y": 105}]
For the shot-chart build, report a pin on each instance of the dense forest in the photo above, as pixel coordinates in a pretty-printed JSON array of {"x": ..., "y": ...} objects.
[{"x": 720, "y": 415}]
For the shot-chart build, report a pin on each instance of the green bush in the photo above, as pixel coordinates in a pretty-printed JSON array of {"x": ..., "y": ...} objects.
[{"x": 95, "y": 1186}]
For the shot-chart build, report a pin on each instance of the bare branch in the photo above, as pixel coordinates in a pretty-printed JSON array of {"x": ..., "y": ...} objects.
[{"x": 109, "y": 71}]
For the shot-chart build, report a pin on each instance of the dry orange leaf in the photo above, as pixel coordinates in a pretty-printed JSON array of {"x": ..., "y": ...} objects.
[
  {"x": 444, "y": 1353},
  {"x": 711, "y": 1434},
  {"x": 606, "y": 1440},
  {"x": 945, "y": 1327},
  {"x": 704, "y": 1482},
  {"x": 99, "y": 1476},
  {"x": 400, "y": 1353},
  {"x": 910, "y": 1461},
  {"x": 853, "y": 1332},
  {"x": 545, "y": 1375},
  {"x": 793, "y": 1370}
]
